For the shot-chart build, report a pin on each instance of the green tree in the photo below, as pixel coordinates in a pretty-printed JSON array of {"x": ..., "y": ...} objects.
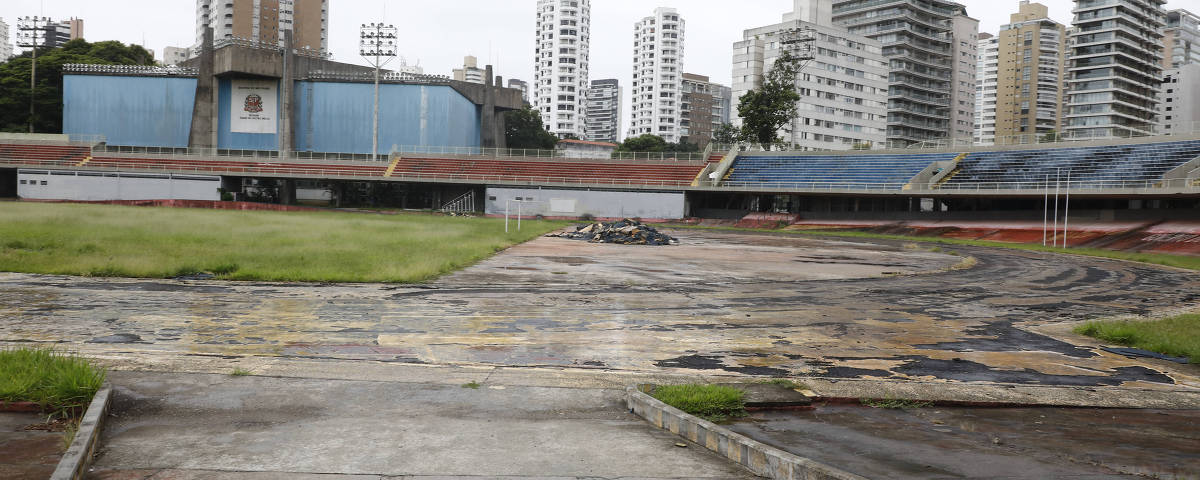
[
  {"x": 524, "y": 129},
  {"x": 726, "y": 134},
  {"x": 644, "y": 143},
  {"x": 772, "y": 105},
  {"x": 14, "y": 81}
]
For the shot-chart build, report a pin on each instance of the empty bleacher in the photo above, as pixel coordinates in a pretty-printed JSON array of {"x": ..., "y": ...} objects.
[
  {"x": 493, "y": 170},
  {"x": 1106, "y": 166},
  {"x": 854, "y": 171},
  {"x": 244, "y": 167},
  {"x": 43, "y": 155}
]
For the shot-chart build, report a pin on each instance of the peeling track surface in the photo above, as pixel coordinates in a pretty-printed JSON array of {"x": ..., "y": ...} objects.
[{"x": 934, "y": 324}]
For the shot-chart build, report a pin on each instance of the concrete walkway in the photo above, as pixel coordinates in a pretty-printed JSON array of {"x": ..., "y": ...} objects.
[{"x": 192, "y": 426}]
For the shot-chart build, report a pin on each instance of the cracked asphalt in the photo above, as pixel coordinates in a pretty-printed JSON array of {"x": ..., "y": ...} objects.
[{"x": 720, "y": 303}]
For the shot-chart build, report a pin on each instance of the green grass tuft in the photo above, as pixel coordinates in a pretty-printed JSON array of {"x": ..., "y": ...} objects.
[
  {"x": 473, "y": 385},
  {"x": 785, "y": 383},
  {"x": 145, "y": 242},
  {"x": 714, "y": 403},
  {"x": 240, "y": 372},
  {"x": 1177, "y": 336},
  {"x": 59, "y": 382},
  {"x": 893, "y": 403}
]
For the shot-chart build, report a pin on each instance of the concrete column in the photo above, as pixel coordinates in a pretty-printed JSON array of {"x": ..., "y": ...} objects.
[
  {"x": 286, "y": 87},
  {"x": 287, "y": 192},
  {"x": 487, "y": 112},
  {"x": 204, "y": 113}
]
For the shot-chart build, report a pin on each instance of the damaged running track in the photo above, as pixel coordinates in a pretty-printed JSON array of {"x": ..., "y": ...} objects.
[{"x": 727, "y": 308}]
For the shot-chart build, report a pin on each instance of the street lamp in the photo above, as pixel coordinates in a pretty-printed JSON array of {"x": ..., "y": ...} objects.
[
  {"x": 377, "y": 44},
  {"x": 32, "y": 33}
]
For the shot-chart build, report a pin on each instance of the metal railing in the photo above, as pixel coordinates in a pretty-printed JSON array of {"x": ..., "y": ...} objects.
[
  {"x": 1041, "y": 186},
  {"x": 415, "y": 150}
]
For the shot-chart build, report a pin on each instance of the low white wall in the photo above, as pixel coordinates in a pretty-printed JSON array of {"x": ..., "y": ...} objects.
[
  {"x": 102, "y": 186},
  {"x": 575, "y": 203}
]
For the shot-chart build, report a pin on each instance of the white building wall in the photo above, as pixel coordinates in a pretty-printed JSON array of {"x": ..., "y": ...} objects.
[
  {"x": 560, "y": 78},
  {"x": 6, "y": 47},
  {"x": 175, "y": 55},
  {"x": 987, "y": 70},
  {"x": 103, "y": 186},
  {"x": 576, "y": 203},
  {"x": 965, "y": 57},
  {"x": 1180, "y": 108},
  {"x": 844, "y": 91},
  {"x": 658, "y": 42}
]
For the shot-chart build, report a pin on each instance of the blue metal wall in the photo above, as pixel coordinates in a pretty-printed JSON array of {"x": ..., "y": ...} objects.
[
  {"x": 337, "y": 117},
  {"x": 137, "y": 111},
  {"x": 241, "y": 141}
]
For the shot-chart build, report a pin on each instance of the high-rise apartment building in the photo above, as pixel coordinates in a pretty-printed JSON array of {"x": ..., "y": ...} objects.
[
  {"x": 521, "y": 85},
  {"x": 603, "y": 119},
  {"x": 560, "y": 76},
  {"x": 59, "y": 33},
  {"x": 1180, "y": 109},
  {"x": 1031, "y": 57},
  {"x": 922, "y": 43},
  {"x": 175, "y": 55},
  {"x": 265, "y": 21},
  {"x": 470, "y": 72},
  {"x": 6, "y": 47},
  {"x": 1115, "y": 68},
  {"x": 1181, "y": 39},
  {"x": 986, "y": 88},
  {"x": 843, "y": 91},
  {"x": 704, "y": 107},
  {"x": 657, "y": 75},
  {"x": 965, "y": 54}
]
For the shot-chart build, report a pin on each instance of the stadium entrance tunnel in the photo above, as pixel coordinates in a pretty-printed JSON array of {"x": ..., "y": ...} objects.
[
  {"x": 349, "y": 194},
  {"x": 8, "y": 183}
]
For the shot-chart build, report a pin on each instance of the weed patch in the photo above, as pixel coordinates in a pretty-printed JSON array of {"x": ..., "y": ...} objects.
[
  {"x": 714, "y": 403},
  {"x": 1177, "y": 336},
  {"x": 893, "y": 403},
  {"x": 473, "y": 385},
  {"x": 61, "y": 383},
  {"x": 240, "y": 372}
]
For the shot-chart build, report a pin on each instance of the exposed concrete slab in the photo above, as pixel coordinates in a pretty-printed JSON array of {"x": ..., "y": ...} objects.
[{"x": 188, "y": 424}]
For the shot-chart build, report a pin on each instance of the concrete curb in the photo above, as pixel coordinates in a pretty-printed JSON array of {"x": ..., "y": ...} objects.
[
  {"x": 75, "y": 462},
  {"x": 763, "y": 460}
]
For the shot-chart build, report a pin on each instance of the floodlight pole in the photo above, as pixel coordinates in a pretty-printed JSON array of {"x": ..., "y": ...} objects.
[
  {"x": 1045, "y": 208},
  {"x": 32, "y": 25},
  {"x": 1067, "y": 210},
  {"x": 377, "y": 43}
]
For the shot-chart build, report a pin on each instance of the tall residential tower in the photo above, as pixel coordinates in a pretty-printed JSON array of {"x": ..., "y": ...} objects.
[
  {"x": 1115, "y": 68},
  {"x": 6, "y": 47},
  {"x": 603, "y": 121},
  {"x": 1032, "y": 53},
  {"x": 560, "y": 75},
  {"x": 657, "y": 75},
  {"x": 265, "y": 20},
  {"x": 843, "y": 90},
  {"x": 927, "y": 60}
]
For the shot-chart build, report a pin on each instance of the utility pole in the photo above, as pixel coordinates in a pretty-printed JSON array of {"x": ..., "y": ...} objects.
[
  {"x": 31, "y": 33},
  {"x": 377, "y": 44}
]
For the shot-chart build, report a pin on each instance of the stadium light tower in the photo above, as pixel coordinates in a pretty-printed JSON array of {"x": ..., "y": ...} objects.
[
  {"x": 377, "y": 44},
  {"x": 31, "y": 33}
]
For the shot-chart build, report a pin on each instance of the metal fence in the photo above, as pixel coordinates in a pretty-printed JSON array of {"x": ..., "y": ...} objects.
[{"x": 647, "y": 157}]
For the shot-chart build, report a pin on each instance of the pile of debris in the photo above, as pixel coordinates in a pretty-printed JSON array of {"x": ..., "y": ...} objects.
[{"x": 624, "y": 232}]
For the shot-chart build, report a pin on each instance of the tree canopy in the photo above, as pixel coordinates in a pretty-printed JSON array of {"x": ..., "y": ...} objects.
[
  {"x": 654, "y": 143},
  {"x": 524, "y": 129},
  {"x": 772, "y": 105},
  {"x": 14, "y": 81}
]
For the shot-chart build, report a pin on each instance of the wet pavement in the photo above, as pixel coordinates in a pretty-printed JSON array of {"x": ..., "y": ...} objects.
[
  {"x": 1017, "y": 443},
  {"x": 727, "y": 303},
  {"x": 25, "y": 453}
]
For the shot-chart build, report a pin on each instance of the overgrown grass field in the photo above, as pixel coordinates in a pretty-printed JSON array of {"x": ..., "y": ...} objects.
[
  {"x": 117, "y": 241},
  {"x": 1175, "y": 336}
]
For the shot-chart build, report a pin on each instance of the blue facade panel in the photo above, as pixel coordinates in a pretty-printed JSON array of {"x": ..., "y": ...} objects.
[
  {"x": 337, "y": 117},
  {"x": 134, "y": 111},
  {"x": 227, "y": 139}
]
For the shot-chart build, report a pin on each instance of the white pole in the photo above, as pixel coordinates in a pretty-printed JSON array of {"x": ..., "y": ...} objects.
[
  {"x": 519, "y": 216},
  {"x": 375, "y": 129},
  {"x": 1067, "y": 210},
  {"x": 1057, "y": 183},
  {"x": 506, "y": 204},
  {"x": 1045, "y": 209}
]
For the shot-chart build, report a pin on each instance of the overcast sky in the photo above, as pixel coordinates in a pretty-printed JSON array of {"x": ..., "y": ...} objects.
[{"x": 438, "y": 33}]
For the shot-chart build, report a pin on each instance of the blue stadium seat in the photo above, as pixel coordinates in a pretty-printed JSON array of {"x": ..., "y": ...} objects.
[
  {"x": 1093, "y": 166},
  {"x": 853, "y": 171}
]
